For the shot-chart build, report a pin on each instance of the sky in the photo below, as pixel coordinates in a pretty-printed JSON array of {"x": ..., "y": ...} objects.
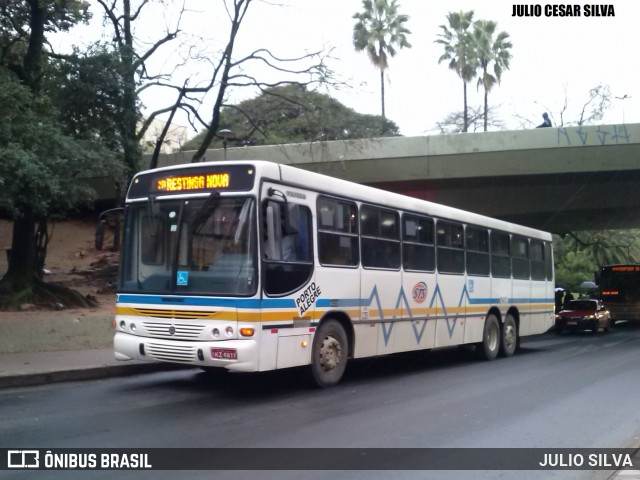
[{"x": 553, "y": 58}]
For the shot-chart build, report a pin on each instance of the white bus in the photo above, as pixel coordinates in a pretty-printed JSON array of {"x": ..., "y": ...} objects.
[{"x": 255, "y": 266}]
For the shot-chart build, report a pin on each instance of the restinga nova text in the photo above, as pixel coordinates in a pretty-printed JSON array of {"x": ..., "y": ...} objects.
[{"x": 563, "y": 10}]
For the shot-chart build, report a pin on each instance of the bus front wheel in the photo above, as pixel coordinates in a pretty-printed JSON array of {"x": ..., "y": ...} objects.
[
  {"x": 490, "y": 345},
  {"x": 329, "y": 354}
]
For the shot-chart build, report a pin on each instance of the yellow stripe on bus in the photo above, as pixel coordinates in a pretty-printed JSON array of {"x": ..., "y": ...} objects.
[{"x": 257, "y": 316}]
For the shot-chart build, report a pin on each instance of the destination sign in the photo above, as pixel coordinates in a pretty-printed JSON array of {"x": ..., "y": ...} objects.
[
  {"x": 626, "y": 268},
  {"x": 193, "y": 182},
  {"x": 200, "y": 179}
]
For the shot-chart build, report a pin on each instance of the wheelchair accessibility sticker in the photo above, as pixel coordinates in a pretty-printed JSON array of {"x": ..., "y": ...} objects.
[{"x": 182, "y": 279}]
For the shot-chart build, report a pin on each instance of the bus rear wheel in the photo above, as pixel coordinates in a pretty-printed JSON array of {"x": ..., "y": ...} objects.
[
  {"x": 509, "y": 337},
  {"x": 490, "y": 346},
  {"x": 329, "y": 354}
]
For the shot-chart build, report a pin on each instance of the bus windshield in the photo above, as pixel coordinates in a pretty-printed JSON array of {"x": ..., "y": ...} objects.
[
  {"x": 620, "y": 283},
  {"x": 195, "y": 246}
]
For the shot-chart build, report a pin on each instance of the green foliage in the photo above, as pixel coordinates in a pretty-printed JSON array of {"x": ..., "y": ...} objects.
[
  {"x": 41, "y": 166},
  {"x": 490, "y": 51},
  {"x": 379, "y": 29},
  {"x": 44, "y": 157},
  {"x": 23, "y": 27},
  {"x": 471, "y": 49},
  {"x": 87, "y": 89},
  {"x": 460, "y": 51},
  {"x": 459, "y": 48},
  {"x": 579, "y": 255},
  {"x": 573, "y": 268},
  {"x": 61, "y": 16},
  {"x": 608, "y": 247},
  {"x": 293, "y": 114}
]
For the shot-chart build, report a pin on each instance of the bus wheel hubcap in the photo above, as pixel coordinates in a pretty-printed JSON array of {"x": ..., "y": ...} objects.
[
  {"x": 509, "y": 336},
  {"x": 330, "y": 353}
]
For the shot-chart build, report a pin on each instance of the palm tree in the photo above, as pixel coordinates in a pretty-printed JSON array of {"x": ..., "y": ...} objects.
[
  {"x": 489, "y": 50},
  {"x": 460, "y": 51},
  {"x": 379, "y": 29}
]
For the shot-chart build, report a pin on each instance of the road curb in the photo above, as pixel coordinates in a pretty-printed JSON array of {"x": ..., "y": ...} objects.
[{"x": 91, "y": 373}]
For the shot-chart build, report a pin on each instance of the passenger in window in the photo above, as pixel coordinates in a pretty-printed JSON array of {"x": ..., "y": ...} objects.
[{"x": 289, "y": 243}]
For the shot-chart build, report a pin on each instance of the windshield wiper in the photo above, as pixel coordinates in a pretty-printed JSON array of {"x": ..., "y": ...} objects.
[
  {"x": 152, "y": 212},
  {"x": 210, "y": 204}
]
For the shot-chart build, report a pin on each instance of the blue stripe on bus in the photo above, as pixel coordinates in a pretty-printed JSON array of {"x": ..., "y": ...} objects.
[{"x": 252, "y": 303}]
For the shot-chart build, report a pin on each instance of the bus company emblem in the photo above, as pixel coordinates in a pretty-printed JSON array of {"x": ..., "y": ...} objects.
[
  {"x": 172, "y": 330},
  {"x": 419, "y": 292}
]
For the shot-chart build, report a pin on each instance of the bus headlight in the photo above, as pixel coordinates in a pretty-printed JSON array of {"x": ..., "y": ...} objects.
[{"x": 229, "y": 331}]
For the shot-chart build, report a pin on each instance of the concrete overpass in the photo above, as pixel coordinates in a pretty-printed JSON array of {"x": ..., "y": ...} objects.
[{"x": 557, "y": 179}]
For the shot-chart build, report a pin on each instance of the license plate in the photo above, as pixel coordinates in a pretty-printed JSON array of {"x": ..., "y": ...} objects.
[
  {"x": 224, "y": 353},
  {"x": 572, "y": 323}
]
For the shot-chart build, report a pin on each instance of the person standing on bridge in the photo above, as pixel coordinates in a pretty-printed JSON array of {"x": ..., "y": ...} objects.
[{"x": 547, "y": 121}]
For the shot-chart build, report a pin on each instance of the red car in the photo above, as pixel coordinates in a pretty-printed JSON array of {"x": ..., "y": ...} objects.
[{"x": 586, "y": 314}]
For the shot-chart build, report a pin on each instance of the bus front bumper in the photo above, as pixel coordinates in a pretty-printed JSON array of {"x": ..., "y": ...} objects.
[{"x": 234, "y": 355}]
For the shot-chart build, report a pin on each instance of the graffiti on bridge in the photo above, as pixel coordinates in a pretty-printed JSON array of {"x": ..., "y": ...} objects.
[{"x": 601, "y": 135}]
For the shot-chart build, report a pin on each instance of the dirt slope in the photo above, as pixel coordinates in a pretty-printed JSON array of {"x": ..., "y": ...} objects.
[{"x": 73, "y": 261}]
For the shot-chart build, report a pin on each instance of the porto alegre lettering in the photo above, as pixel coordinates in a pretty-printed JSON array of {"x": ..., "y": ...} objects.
[{"x": 563, "y": 10}]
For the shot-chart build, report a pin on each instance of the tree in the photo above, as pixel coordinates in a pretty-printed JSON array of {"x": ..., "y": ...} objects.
[
  {"x": 233, "y": 73},
  {"x": 592, "y": 109},
  {"x": 488, "y": 51},
  {"x": 87, "y": 88},
  {"x": 41, "y": 161},
  {"x": 219, "y": 72},
  {"x": 134, "y": 73},
  {"x": 573, "y": 267},
  {"x": 607, "y": 247},
  {"x": 293, "y": 114},
  {"x": 459, "y": 49},
  {"x": 578, "y": 255},
  {"x": 477, "y": 120},
  {"x": 378, "y": 30}
]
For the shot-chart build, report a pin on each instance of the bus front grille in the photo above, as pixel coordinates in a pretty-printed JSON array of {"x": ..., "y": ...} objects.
[
  {"x": 177, "y": 331},
  {"x": 179, "y": 314},
  {"x": 171, "y": 353}
]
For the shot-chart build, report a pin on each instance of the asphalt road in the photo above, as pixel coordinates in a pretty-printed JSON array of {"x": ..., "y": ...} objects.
[{"x": 569, "y": 391}]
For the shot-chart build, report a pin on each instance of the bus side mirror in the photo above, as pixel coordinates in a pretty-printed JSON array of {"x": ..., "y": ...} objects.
[{"x": 102, "y": 222}]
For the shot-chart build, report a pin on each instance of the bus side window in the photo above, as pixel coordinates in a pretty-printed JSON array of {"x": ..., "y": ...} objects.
[
  {"x": 538, "y": 270},
  {"x": 477, "y": 247},
  {"x": 520, "y": 257},
  {"x": 287, "y": 229},
  {"x": 273, "y": 231},
  {"x": 337, "y": 232},
  {"x": 287, "y": 247},
  {"x": 380, "y": 237},
  {"x": 500, "y": 254},
  {"x": 450, "y": 247},
  {"x": 296, "y": 240},
  {"x": 418, "y": 243}
]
